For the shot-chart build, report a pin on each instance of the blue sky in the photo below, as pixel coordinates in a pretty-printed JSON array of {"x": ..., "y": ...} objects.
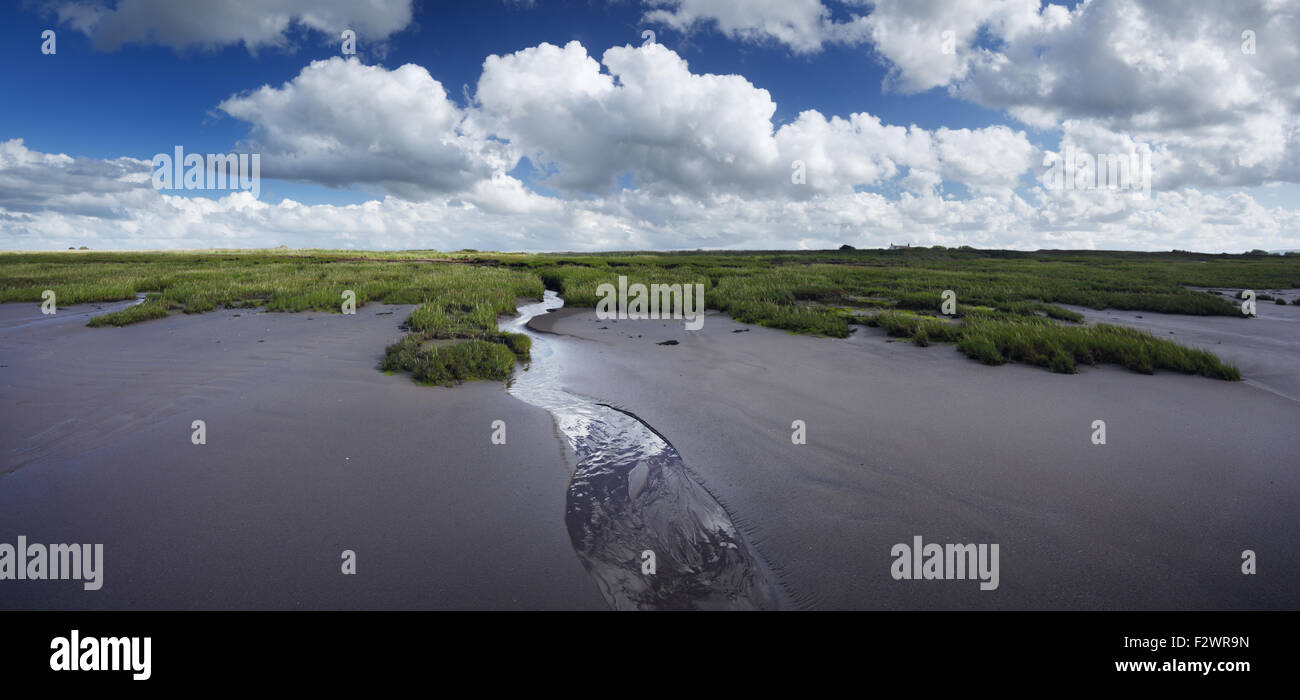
[
  {"x": 956, "y": 157},
  {"x": 140, "y": 100}
]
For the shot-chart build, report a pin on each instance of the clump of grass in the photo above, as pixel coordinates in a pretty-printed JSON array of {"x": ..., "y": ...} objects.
[
  {"x": 1062, "y": 363},
  {"x": 794, "y": 318},
  {"x": 904, "y": 325},
  {"x": 148, "y": 309},
  {"x": 1059, "y": 348},
  {"x": 472, "y": 359},
  {"x": 450, "y": 364},
  {"x": 457, "y": 362},
  {"x": 401, "y": 356},
  {"x": 465, "y": 310},
  {"x": 520, "y": 344},
  {"x": 997, "y": 338},
  {"x": 981, "y": 348}
]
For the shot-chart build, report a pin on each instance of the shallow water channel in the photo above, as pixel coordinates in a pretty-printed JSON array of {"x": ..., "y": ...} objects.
[{"x": 631, "y": 494}]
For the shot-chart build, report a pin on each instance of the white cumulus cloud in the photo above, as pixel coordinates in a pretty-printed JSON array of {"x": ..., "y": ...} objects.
[
  {"x": 214, "y": 23},
  {"x": 341, "y": 122}
]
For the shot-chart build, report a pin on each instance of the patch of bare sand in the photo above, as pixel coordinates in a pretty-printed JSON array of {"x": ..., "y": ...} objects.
[
  {"x": 310, "y": 451},
  {"x": 906, "y": 441}
]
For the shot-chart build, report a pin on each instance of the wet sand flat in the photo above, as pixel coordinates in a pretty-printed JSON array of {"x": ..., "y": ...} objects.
[
  {"x": 905, "y": 441},
  {"x": 310, "y": 451}
]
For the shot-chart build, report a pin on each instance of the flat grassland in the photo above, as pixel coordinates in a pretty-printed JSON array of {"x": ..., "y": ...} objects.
[{"x": 1007, "y": 301}]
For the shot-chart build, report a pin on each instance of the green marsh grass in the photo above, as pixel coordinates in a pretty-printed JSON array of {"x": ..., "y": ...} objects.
[{"x": 1009, "y": 302}]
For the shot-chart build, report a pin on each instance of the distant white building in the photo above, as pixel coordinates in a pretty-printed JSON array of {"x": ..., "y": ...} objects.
[{"x": 895, "y": 246}]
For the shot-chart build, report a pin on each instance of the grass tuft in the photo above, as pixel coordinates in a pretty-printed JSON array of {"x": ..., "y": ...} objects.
[
  {"x": 148, "y": 309},
  {"x": 450, "y": 364}
]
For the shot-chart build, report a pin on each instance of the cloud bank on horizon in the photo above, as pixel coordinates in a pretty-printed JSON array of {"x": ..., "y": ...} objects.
[{"x": 574, "y": 145}]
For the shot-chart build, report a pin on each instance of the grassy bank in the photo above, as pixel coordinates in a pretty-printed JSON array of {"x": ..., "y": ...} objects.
[
  {"x": 456, "y": 301},
  {"x": 995, "y": 340},
  {"x": 1008, "y": 302}
]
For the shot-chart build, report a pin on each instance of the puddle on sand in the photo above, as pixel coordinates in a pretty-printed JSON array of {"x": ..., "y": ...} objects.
[
  {"x": 78, "y": 313},
  {"x": 630, "y": 493}
]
